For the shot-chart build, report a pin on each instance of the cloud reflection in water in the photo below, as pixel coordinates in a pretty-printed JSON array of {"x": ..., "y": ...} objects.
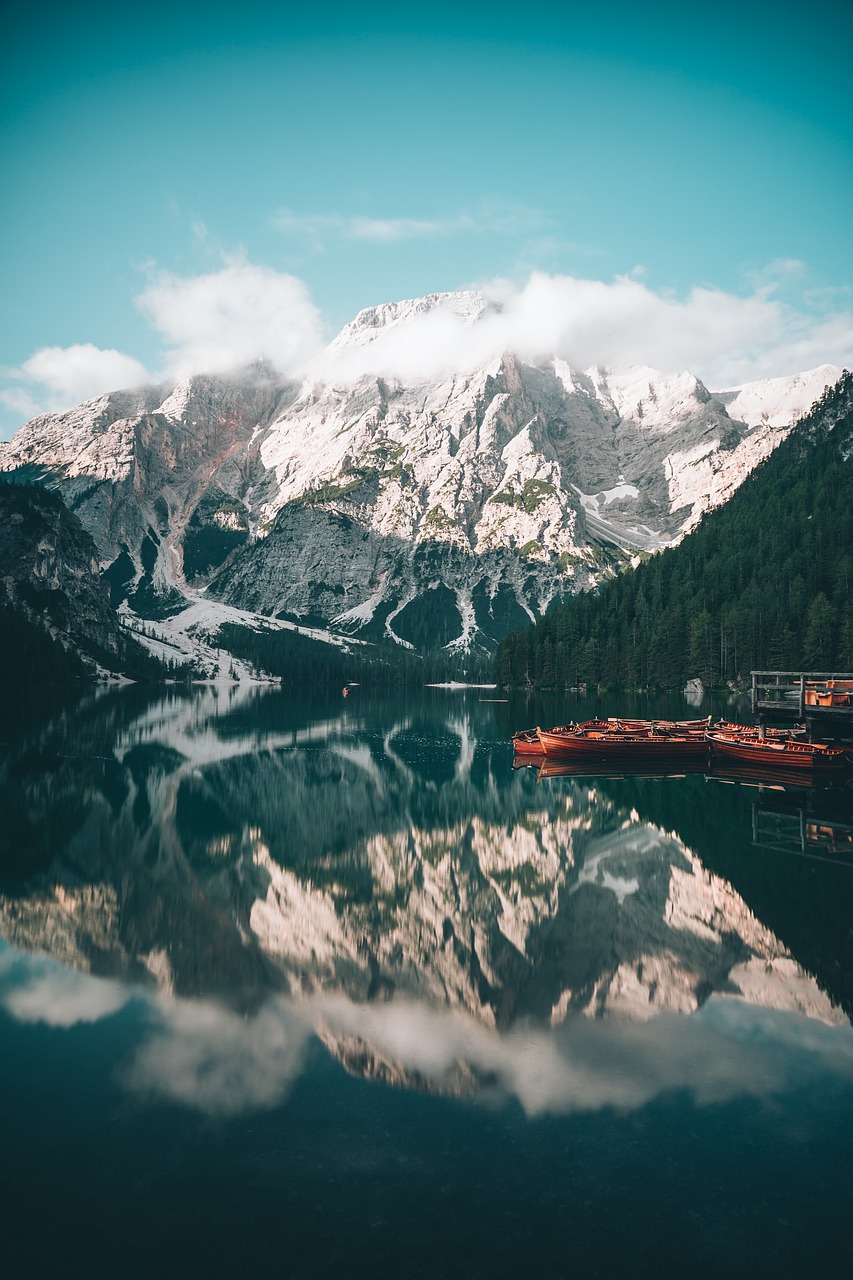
[
  {"x": 217, "y": 1061},
  {"x": 36, "y": 989},
  {"x": 210, "y": 1058}
]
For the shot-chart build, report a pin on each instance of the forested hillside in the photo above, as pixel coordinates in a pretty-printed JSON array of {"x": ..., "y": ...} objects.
[
  {"x": 56, "y": 621},
  {"x": 765, "y": 582}
]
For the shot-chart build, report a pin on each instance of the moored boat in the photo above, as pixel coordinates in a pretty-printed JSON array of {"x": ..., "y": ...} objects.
[
  {"x": 617, "y": 745},
  {"x": 526, "y": 741},
  {"x": 797, "y": 731},
  {"x": 619, "y": 724},
  {"x": 776, "y": 753},
  {"x": 614, "y": 738}
]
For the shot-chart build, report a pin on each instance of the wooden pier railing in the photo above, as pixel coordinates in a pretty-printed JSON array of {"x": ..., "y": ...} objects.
[{"x": 803, "y": 693}]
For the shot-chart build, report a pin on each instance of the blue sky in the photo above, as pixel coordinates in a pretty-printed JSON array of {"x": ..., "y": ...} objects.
[{"x": 252, "y": 160}]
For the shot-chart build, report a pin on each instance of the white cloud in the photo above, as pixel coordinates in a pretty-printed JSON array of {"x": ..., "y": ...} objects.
[
  {"x": 730, "y": 1049},
  {"x": 488, "y": 218},
  {"x": 56, "y": 377},
  {"x": 389, "y": 229},
  {"x": 21, "y": 403},
  {"x": 212, "y": 323},
  {"x": 211, "y": 1058},
  {"x": 222, "y": 320},
  {"x": 313, "y": 227},
  {"x": 723, "y": 337}
]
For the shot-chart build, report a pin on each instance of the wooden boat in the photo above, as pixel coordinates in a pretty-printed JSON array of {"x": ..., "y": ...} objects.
[
  {"x": 526, "y": 743},
  {"x": 753, "y": 731},
  {"x": 595, "y": 744},
  {"x": 776, "y": 753},
  {"x": 616, "y": 739},
  {"x": 618, "y": 724},
  {"x": 697, "y": 726}
]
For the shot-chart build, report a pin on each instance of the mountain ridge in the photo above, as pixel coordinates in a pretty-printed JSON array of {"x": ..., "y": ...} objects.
[{"x": 360, "y": 506}]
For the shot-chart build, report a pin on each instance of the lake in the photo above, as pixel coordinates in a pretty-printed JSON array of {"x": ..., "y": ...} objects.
[{"x": 298, "y": 985}]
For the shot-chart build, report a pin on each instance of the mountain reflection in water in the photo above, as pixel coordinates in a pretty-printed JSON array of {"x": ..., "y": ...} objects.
[{"x": 254, "y": 871}]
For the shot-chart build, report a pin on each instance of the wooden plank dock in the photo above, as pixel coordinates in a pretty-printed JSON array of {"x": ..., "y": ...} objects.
[{"x": 822, "y": 699}]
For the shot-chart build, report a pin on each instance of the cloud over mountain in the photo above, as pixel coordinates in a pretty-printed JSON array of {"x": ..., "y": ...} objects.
[
  {"x": 224, "y": 319},
  {"x": 721, "y": 336},
  {"x": 221, "y": 320},
  {"x": 56, "y": 377}
]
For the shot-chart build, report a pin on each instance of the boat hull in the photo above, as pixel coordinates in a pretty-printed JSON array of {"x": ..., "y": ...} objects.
[
  {"x": 616, "y": 746},
  {"x": 796, "y": 757}
]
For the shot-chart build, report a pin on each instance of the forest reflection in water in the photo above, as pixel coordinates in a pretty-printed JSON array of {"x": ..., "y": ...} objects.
[{"x": 253, "y": 870}]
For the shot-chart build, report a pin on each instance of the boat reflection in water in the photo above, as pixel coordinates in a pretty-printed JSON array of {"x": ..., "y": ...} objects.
[
  {"x": 549, "y": 768},
  {"x": 720, "y": 769}
]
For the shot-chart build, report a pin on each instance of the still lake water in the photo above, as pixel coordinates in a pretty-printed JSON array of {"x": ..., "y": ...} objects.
[{"x": 304, "y": 986}]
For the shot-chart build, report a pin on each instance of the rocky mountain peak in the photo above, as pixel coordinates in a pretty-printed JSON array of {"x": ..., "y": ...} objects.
[
  {"x": 440, "y": 509},
  {"x": 468, "y": 305}
]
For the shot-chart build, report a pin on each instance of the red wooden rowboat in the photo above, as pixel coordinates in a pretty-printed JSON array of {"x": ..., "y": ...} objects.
[
  {"x": 594, "y": 744},
  {"x": 616, "y": 724},
  {"x": 753, "y": 731},
  {"x": 812, "y": 757},
  {"x": 672, "y": 726},
  {"x": 615, "y": 739},
  {"x": 526, "y": 743}
]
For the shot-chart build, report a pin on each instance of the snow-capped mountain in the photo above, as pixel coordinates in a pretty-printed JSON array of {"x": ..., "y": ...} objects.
[{"x": 441, "y": 509}]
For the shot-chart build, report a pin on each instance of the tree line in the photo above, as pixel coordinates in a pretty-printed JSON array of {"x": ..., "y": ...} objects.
[{"x": 300, "y": 660}]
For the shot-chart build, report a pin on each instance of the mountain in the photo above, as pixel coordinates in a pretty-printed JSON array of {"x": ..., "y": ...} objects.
[
  {"x": 55, "y": 615},
  {"x": 420, "y": 509},
  {"x": 764, "y": 582}
]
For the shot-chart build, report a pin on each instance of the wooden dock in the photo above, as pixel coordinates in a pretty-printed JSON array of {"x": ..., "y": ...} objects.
[{"x": 821, "y": 699}]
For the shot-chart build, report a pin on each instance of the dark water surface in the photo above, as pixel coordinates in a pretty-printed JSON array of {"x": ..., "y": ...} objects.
[{"x": 294, "y": 985}]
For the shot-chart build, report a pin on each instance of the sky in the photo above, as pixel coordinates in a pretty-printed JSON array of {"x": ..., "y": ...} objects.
[{"x": 187, "y": 187}]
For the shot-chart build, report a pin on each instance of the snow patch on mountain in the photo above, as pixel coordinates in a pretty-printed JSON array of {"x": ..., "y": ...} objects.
[
  {"x": 346, "y": 501},
  {"x": 369, "y": 324},
  {"x": 644, "y": 395},
  {"x": 778, "y": 402},
  {"x": 190, "y": 636}
]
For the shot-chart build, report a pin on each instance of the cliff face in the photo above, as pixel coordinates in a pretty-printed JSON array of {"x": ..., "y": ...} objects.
[
  {"x": 441, "y": 510},
  {"x": 51, "y": 575},
  {"x": 135, "y": 466},
  {"x": 509, "y": 486}
]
